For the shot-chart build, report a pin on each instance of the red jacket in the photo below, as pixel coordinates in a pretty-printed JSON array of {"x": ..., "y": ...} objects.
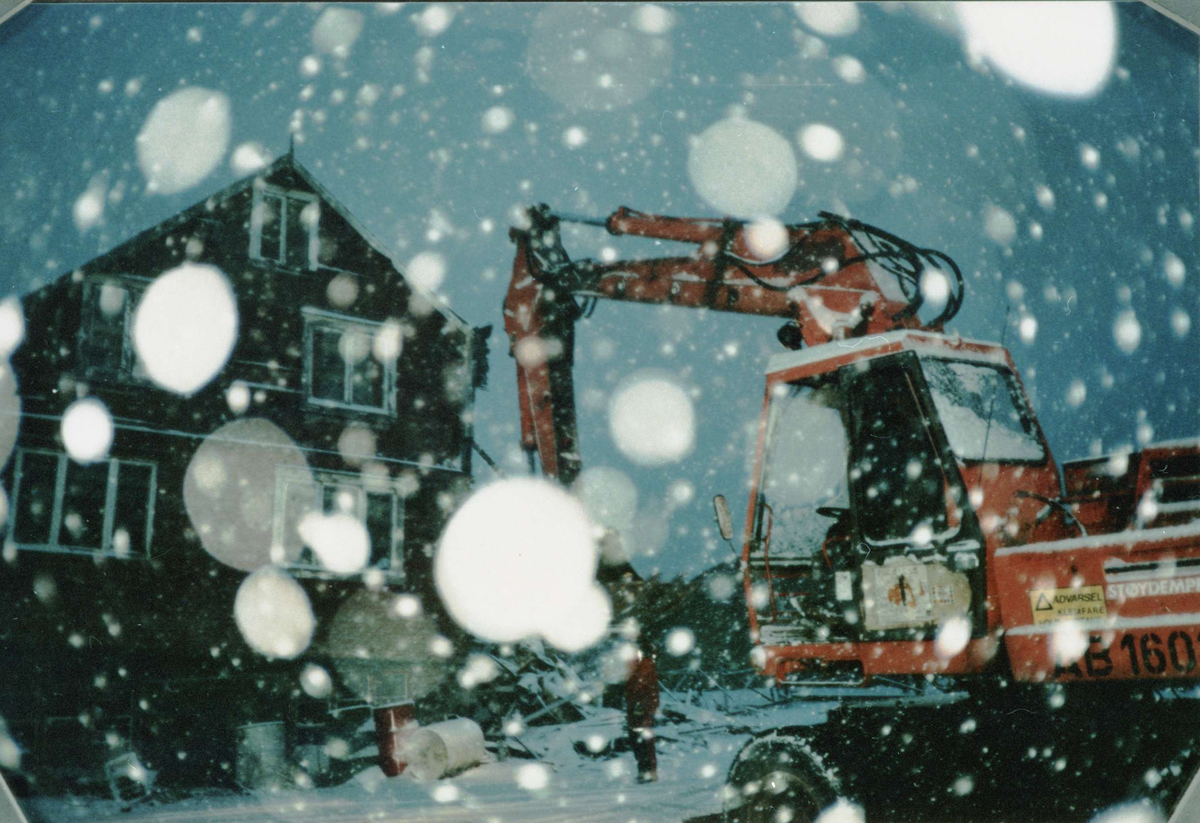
[{"x": 641, "y": 691}]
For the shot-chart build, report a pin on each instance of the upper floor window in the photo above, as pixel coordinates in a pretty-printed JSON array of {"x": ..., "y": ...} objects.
[
  {"x": 106, "y": 331},
  {"x": 341, "y": 363},
  {"x": 378, "y": 506},
  {"x": 61, "y": 505},
  {"x": 283, "y": 227}
]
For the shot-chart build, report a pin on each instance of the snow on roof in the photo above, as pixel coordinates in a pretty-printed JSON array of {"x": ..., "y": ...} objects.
[
  {"x": 1103, "y": 541},
  {"x": 922, "y": 342},
  {"x": 1112, "y": 622},
  {"x": 1181, "y": 443},
  {"x": 1158, "y": 445}
]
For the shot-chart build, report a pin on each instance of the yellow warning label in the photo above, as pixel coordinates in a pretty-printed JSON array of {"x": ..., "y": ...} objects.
[{"x": 1084, "y": 603}]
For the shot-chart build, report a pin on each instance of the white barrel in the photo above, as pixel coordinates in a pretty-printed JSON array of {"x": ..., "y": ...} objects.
[
  {"x": 434, "y": 751},
  {"x": 261, "y": 755}
]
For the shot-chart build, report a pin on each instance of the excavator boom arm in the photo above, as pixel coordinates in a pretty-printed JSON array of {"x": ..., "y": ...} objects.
[{"x": 822, "y": 277}]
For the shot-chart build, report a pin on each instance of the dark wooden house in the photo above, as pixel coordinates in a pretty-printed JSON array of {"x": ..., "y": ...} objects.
[{"x": 116, "y": 620}]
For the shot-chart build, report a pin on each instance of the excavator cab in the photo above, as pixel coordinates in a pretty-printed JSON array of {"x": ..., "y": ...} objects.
[{"x": 862, "y": 542}]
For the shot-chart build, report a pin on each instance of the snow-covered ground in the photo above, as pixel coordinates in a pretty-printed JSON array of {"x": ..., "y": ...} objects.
[
  {"x": 577, "y": 791},
  {"x": 693, "y": 759},
  {"x": 597, "y": 791},
  {"x": 554, "y": 779}
]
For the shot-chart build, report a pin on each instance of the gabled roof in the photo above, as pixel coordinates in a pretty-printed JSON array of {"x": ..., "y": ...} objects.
[
  {"x": 365, "y": 233},
  {"x": 287, "y": 161}
]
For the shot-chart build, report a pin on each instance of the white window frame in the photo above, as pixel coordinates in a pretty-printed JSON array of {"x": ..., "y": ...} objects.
[
  {"x": 131, "y": 368},
  {"x": 320, "y": 480},
  {"x": 110, "y": 504},
  {"x": 319, "y": 319},
  {"x": 256, "y": 224}
]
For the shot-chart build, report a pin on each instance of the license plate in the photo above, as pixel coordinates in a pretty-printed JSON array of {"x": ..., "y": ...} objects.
[{"x": 1165, "y": 653}]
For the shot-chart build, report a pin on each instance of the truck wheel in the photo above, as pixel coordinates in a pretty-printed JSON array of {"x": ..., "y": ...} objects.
[{"x": 776, "y": 780}]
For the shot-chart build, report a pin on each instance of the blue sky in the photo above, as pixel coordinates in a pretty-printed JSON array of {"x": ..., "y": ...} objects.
[{"x": 941, "y": 145}]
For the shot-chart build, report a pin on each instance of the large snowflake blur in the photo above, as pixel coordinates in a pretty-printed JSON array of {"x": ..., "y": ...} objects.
[{"x": 1050, "y": 149}]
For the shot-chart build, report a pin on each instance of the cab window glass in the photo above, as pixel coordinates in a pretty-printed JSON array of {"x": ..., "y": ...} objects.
[
  {"x": 899, "y": 481},
  {"x": 805, "y": 466},
  {"x": 981, "y": 410}
]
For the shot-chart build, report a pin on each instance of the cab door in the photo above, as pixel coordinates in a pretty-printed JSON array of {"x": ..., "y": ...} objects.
[
  {"x": 800, "y": 580},
  {"x": 919, "y": 549}
]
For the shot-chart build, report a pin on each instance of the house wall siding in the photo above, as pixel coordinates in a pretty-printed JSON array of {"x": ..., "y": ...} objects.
[{"x": 174, "y": 610}]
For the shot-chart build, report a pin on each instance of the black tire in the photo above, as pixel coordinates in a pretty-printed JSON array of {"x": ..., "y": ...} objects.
[{"x": 776, "y": 779}]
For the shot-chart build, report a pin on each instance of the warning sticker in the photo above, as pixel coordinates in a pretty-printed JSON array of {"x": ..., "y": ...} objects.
[
  {"x": 942, "y": 595},
  {"x": 1084, "y": 603}
]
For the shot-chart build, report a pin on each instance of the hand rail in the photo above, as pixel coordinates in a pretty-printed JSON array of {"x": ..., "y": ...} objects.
[{"x": 767, "y": 559}]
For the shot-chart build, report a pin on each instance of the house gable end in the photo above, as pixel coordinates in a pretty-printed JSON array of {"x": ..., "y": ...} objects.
[{"x": 347, "y": 241}]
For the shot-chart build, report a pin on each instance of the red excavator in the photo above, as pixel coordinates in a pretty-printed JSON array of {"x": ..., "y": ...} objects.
[{"x": 907, "y": 523}]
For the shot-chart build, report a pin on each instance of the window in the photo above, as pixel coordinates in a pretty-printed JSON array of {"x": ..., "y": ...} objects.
[
  {"x": 61, "y": 505},
  {"x": 805, "y": 466},
  {"x": 283, "y": 227},
  {"x": 982, "y": 411},
  {"x": 341, "y": 367},
  {"x": 106, "y": 333},
  {"x": 378, "y": 506}
]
